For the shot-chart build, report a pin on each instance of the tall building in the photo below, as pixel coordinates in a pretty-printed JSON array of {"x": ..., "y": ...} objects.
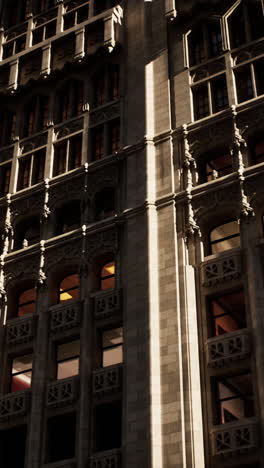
[{"x": 132, "y": 251}]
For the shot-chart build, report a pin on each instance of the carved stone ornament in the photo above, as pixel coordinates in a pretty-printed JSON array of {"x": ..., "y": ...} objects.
[
  {"x": 33, "y": 143},
  {"x": 107, "y": 113},
  {"x": 228, "y": 348},
  {"x": 65, "y": 316},
  {"x": 111, "y": 458},
  {"x": 107, "y": 380},
  {"x": 65, "y": 254},
  {"x": 14, "y": 405},
  {"x": 26, "y": 267},
  {"x": 66, "y": 191},
  {"x": 231, "y": 439},
  {"x": 108, "y": 177},
  {"x": 69, "y": 128},
  {"x": 103, "y": 242},
  {"x": 20, "y": 330},
  {"x": 62, "y": 392},
  {"x": 107, "y": 304},
  {"x": 221, "y": 269},
  {"x": 28, "y": 205}
]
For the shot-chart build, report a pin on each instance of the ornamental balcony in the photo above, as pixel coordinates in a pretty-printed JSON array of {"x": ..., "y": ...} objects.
[
  {"x": 226, "y": 348},
  {"x": 65, "y": 316},
  {"x": 14, "y": 405},
  {"x": 45, "y": 42},
  {"x": 107, "y": 380},
  {"x": 62, "y": 392},
  {"x": 111, "y": 458},
  {"x": 221, "y": 268},
  {"x": 235, "y": 438},
  {"x": 20, "y": 330},
  {"x": 107, "y": 304}
]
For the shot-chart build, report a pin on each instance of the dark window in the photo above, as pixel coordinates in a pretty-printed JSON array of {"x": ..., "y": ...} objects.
[
  {"x": 219, "y": 166},
  {"x": 114, "y": 137},
  {"x": 104, "y": 204},
  {"x": 237, "y": 27},
  {"x": 256, "y": 20},
  {"x": 100, "y": 91},
  {"x": 200, "y": 101},
  {"x": 21, "y": 373},
  {"x": 259, "y": 74},
  {"x": 10, "y": 458},
  {"x": 60, "y": 155},
  {"x": 61, "y": 433},
  {"x": 197, "y": 47},
  {"x": 112, "y": 347},
  {"x": 5, "y": 173},
  {"x": 26, "y": 233},
  {"x": 244, "y": 84},
  {"x": 227, "y": 313},
  {"x": 38, "y": 167},
  {"x": 70, "y": 100},
  {"x": 69, "y": 288},
  {"x": 36, "y": 115},
  {"x": 219, "y": 94},
  {"x": 24, "y": 173},
  {"x": 214, "y": 39},
  {"x": 107, "y": 276},
  {"x": 259, "y": 151},
  {"x": 68, "y": 356},
  {"x": 75, "y": 156},
  {"x": 98, "y": 142},
  {"x": 7, "y": 127},
  {"x": 234, "y": 398},
  {"x": 108, "y": 426},
  {"x": 114, "y": 82},
  {"x": 68, "y": 217},
  {"x": 205, "y": 42},
  {"x": 225, "y": 237},
  {"x": 26, "y": 302}
]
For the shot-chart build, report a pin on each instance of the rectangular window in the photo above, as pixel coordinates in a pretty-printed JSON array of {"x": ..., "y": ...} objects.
[
  {"x": 259, "y": 152},
  {"x": 112, "y": 347},
  {"x": 68, "y": 355},
  {"x": 75, "y": 156},
  {"x": 5, "y": 174},
  {"x": 60, "y": 155},
  {"x": 98, "y": 142},
  {"x": 200, "y": 101},
  {"x": 38, "y": 167},
  {"x": 219, "y": 94},
  {"x": 114, "y": 137},
  {"x": 61, "y": 434},
  {"x": 31, "y": 169},
  {"x": 244, "y": 84},
  {"x": 214, "y": 39},
  {"x": 259, "y": 74},
  {"x": 234, "y": 398},
  {"x": 21, "y": 373},
  {"x": 114, "y": 82},
  {"x": 227, "y": 313},
  {"x": 11, "y": 456},
  {"x": 108, "y": 426},
  {"x": 24, "y": 173}
]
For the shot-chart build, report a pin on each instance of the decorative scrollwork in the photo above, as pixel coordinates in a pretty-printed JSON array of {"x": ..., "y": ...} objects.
[
  {"x": 107, "y": 304},
  {"x": 221, "y": 269},
  {"x": 228, "y": 347},
  {"x": 62, "y": 392},
  {"x": 240, "y": 437},
  {"x": 65, "y": 316},
  {"x": 20, "y": 330},
  {"x": 107, "y": 380},
  {"x": 14, "y": 405}
]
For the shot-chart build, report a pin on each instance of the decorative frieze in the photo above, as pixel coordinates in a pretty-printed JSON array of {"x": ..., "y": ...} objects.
[
  {"x": 65, "y": 316},
  {"x": 220, "y": 269},
  {"x": 105, "y": 113},
  {"x": 62, "y": 392},
  {"x": 107, "y": 380},
  {"x": 228, "y": 347},
  {"x": 20, "y": 330},
  {"x": 107, "y": 304},
  {"x": 111, "y": 458},
  {"x": 14, "y": 405},
  {"x": 235, "y": 438}
]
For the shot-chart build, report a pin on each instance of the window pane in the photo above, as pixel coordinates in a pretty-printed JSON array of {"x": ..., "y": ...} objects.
[
  {"x": 244, "y": 84},
  {"x": 112, "y": 337},
  {"x": 24, "y": 173},
  {"x": 108, "y": 276},
  {"x": 235, "y": 398},
  {"x": 68, "y": 350},
  {"x": 227, "y": 313},
  {"x": 218, "y": 167},
  {"x": 69, "y": 288},
  {"x": 26, "y": 303},
  {"x": 225, "y": 237},
  {"x": 21, "y": 372},
  {"x": 112, "y": 343},
  {"x": 113, "y": 356},
  {"x": 219, "y": 94},
  {"x": 200, "y": 101},
  {"x": 5, "y": 173},
  {"x": 60, "y": 152},
  {"x": 21, "y": 381},
  {"x": 259, "y": 152},
  {"x": 68, "y": 368},
  {"x": 259, "y": 73}
]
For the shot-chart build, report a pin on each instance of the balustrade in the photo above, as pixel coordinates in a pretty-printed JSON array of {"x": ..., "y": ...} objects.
[
  {"x": 221, "y": 268},
  {"x": 20, "y": 330},
  {"x": 228, "y": 347},
  {"x": 235, "y": 438},
  {"x": 14, "y": 404},
  {"x": 107, "y": 380},
  {"x": 62, "y": 392},
  {"x": 111, "y": 458},
  {"x": 64, "y": 316}
]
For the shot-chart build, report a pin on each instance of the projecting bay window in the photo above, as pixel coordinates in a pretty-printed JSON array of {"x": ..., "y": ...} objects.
[
  {"x": 246, "y": 23},
  {"x": 21, "y": 373},
  {"x": 227, "y": 313},
  {"x": 31, "y": 169},
  {"x": 233, "y": 398},
  {"x": 205, "y": 42},
  {"x": 67, "y": 155},
  {"x": 5, "y": 174},
  {"x": 210, "y": 97}
]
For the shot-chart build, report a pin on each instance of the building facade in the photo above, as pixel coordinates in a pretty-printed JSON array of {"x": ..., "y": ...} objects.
[{"x": 132, "y": 251}]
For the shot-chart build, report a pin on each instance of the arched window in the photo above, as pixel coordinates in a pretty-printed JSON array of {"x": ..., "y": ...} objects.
[
  {"x": 224, "y": 237},
  {"x": 107, "y": 276},
  {"x": 26, "y": 233},
  {"x": 26, "y": 302},
  {"x": 70, "y": 100},
  {"x": 104, "y": 204},
  {"x": 68, "y": 217},
  {"x": 36, "y": 115},
  {"x": 69, "y": 288}
]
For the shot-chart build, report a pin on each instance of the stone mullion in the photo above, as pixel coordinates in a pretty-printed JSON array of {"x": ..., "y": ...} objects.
[{"x": 86, "y": 362}]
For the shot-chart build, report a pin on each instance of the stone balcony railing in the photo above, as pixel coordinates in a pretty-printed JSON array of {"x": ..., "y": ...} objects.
[
  {"x": 107, "y": 380},
  {"x": 14, "y": 405},
  {"x": 20, "y": 330},
  {"x": 111, "y": 458},
  {"x": 228, "y": 347},
  {"x": 235, "y": 438},
  {"x": 64, "y": 316},
  {"x": 107, "y": 304},
  {"x": 221, "y": 268},
  {"x": 62, "y": 392}
]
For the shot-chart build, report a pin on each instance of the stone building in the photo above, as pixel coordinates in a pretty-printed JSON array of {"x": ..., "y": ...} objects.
[{"x": 132, "y": 251}]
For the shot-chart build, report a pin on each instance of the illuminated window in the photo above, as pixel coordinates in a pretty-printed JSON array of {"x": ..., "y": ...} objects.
[
  {"x": 227, "y": 313},
  {"x": 107, "y": 279},
  {"x": 225, "y": 237},
  {"x": 69, "y": 288},
  {"x": 112, "y": 347},
  {"x": 104, "y": 204},
  {"x": 5, "y": 173},
  {"x": 27, "y": 302},
  {"x": 68, "y": 355},
  {"x": 233, "y": 398},
  {"x": 21, "y": 373}
]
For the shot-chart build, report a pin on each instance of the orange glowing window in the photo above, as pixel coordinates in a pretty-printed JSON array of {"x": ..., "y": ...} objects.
[
  {"x": 107, "y": 279},
  {"x": 69, "y": 288},
  {"x": 112, "y": 347},
  {"x": 26, "y": 302},
  {"x": 68, "y": 355},
  {"x": 21, "y": 373}
]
